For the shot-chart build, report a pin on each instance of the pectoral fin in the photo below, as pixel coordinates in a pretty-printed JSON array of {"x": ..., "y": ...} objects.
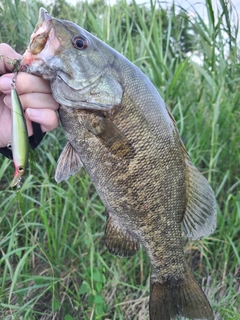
[
  {"x": 200, "y": 216},
  {"x": 118, "y": 241},
  {"x": 68, "y": 164},
  {"x": 113, "y": 139}
]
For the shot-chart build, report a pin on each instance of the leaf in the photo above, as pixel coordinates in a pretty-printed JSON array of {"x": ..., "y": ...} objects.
[
  {"x": 91, "y": 298},
  {"x": 98, "y": 286},
  {"x": 98, "y": 299},
  {"x": 97, "y": 276},
  {"x": 84, "y": 288},
  {"x": 99, "y": 310},
  {"x": 56, "y": 305}
]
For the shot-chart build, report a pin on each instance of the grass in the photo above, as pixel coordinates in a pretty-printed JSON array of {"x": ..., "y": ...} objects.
[{"x": 53, "y": 262}]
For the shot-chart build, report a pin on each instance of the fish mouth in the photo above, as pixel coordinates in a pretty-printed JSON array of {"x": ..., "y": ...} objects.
[
  {"x": 42, "y": 32},
  {"x": 43, "y": 37}
]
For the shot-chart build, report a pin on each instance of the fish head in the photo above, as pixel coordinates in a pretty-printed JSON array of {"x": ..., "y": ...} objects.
[
  {"x": 62, "y": 47},
  {"x": 72, "y": 59}
]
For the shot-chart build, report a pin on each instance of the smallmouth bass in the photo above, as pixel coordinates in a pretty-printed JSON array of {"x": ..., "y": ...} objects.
[{"x": 119, "y": 128}]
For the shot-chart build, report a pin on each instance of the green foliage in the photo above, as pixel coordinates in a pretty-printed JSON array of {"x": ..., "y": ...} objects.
[
  {"x": 17, "y": 20},
  {"x": 53, "y": 262}
]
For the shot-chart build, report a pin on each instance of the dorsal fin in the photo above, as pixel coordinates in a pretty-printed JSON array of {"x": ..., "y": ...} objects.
[
  {"x": 200, "y": 215},
  {"x": 68, "y": 163}
]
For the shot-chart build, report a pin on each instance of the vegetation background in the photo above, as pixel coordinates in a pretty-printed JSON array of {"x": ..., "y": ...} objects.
[{"x": 53, "y": 262}]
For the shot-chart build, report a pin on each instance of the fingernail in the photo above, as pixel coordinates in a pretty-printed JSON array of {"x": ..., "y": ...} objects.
[
  {"x": 33, "y": 113},
  {"x": 7, "y": 101}
]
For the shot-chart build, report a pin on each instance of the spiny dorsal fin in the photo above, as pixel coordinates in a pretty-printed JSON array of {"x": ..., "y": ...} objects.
[
  {"x": 68, "y": 163},
  {"x": 201, "y": 215},
  {"x": 118, "y": 241}
]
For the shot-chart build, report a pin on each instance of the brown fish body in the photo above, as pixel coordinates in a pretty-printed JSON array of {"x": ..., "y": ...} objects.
[
  {"x": 139, "y": 184},
  {"x": 119, "y": 128}
]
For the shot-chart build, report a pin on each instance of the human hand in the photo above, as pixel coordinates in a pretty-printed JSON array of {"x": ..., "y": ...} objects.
[{"x": 34, "y": 93}]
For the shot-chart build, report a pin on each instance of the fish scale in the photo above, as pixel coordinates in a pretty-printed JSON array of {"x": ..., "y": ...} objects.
[
  {"x": 118, "y": 127},
  {"x": 162, "y": 244}
]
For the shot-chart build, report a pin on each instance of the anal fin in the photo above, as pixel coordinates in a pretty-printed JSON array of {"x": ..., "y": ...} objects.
[
  {"x": 68, "y": 163},
  {"x": 119, "y": 242},
  {"x": 200, "y": 215}
]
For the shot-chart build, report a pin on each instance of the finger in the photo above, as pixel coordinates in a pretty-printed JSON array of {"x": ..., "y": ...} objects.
[
  {"x": 7, "y": 101},
  {"x": 29, "y": 126},
  {"x": 5, "y": 116},
  {"x": 34, "y": 100},
  {"x": 8, "y": 55},
  {"x": 47, "y": 118},
  {"x": 5, "y": 83},
  {"x": 28, "y": 83},
  {"x": 25, "y": 83}
]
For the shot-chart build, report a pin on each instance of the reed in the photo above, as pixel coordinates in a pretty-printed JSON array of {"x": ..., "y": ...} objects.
[{"x": 53, "y": 262}]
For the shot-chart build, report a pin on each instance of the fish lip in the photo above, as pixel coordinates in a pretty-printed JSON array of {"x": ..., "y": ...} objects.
[{"x": 44, "y": 15}]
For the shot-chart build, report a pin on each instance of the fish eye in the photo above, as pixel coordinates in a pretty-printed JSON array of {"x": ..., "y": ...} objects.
[
  {"x": 20, "y": 169},
  {"x": 79, "y": 42}
]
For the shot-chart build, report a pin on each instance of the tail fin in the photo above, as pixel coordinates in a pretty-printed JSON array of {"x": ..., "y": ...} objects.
[{"x": 175, "y": 298}]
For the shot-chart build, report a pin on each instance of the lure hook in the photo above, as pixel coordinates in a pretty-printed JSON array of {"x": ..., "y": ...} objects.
[{"x": 13, "y": 83}]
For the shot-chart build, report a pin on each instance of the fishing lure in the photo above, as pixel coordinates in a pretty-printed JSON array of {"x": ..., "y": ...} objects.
[{"x": 19, "y": 136}]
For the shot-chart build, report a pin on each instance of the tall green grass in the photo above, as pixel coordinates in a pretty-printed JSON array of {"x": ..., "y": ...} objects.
[{"x": 53, "y": 262}]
